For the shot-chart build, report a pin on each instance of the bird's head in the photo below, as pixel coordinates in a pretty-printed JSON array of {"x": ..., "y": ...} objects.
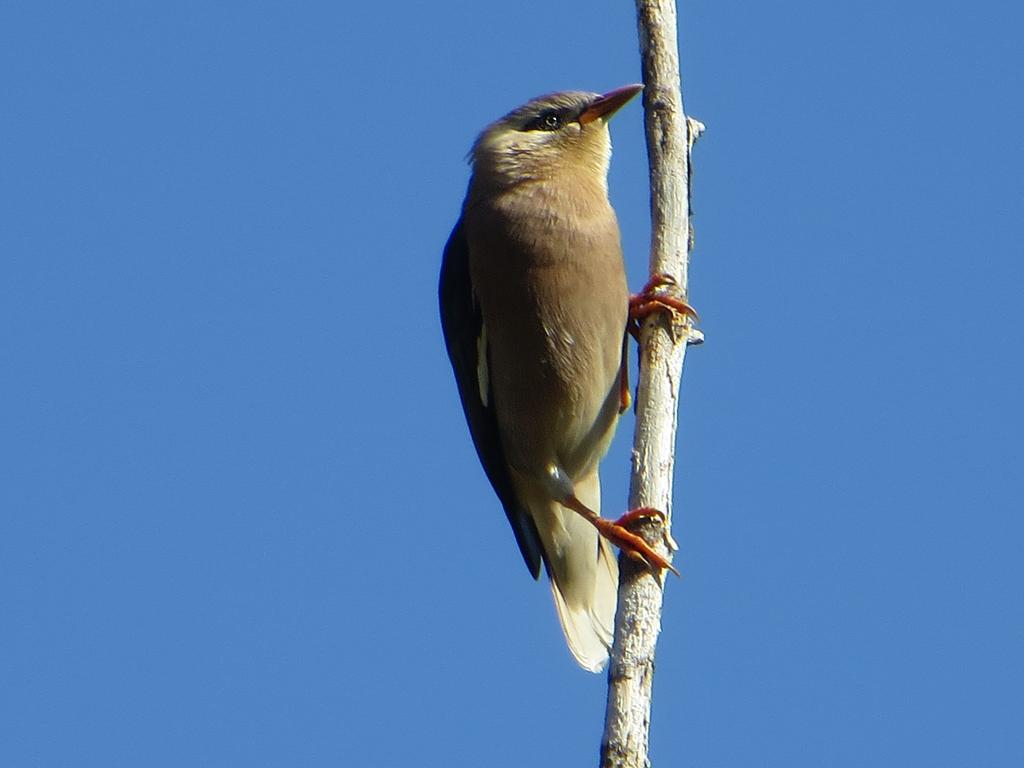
[{"x": 549, "y": 137}]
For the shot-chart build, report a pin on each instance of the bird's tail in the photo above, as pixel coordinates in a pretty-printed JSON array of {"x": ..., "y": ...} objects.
[{"x": 584, "y": 576}]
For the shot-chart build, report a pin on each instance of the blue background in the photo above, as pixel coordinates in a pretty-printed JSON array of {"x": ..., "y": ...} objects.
[{"x": 241, "y": 522}]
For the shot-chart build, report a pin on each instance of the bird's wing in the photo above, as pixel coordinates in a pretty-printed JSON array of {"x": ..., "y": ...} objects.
[{"x": 465, "y": 338}]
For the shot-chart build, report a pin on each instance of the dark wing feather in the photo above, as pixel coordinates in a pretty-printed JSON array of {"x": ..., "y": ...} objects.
[{"x": 462, "y": 323}]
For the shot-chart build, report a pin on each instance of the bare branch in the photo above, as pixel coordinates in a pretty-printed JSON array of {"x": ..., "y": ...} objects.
[{"x": 663, "y": 342}]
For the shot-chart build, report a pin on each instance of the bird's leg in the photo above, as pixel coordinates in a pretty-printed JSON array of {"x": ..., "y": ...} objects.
[
  {"x": 625, "y": 399},
  {"x": 618, "y": 534},
  {"x": 651, "y": 300}
]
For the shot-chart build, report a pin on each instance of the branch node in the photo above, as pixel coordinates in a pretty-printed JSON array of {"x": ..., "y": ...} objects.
[
  {"x": 670, "y": 542},
  {"x": 694, "y": 130}
]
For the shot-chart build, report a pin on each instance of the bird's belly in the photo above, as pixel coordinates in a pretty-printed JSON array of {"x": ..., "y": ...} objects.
[{"x": 556, "y": 381}]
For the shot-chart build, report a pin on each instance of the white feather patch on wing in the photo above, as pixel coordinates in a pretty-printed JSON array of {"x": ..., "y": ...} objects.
[{"x": 483, "y": 380}]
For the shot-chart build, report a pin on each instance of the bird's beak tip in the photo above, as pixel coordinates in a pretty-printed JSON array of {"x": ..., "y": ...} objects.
[{"x": 609, "y": 103}]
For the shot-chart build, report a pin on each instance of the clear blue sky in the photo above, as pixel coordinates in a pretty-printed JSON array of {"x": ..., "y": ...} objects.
[{"x": 241, "y": 521}]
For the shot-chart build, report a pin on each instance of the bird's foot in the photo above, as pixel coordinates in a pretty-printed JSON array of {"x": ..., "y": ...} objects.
[
  {"x": 640, "y": 513},
  {"x": 654, "y": 298},
  {"x": 618, "y": 533}
]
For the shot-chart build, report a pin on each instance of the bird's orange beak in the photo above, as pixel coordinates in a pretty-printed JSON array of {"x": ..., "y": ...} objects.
[{"x": 609, "y": 104}]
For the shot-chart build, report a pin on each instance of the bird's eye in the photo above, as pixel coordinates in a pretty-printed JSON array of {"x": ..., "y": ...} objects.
[
  {"x": 546, "y": 121},
  {"x": 551, "y": 122}
]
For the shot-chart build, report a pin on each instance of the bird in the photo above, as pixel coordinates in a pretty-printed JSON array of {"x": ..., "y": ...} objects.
[{"x": 534, "y": 311}]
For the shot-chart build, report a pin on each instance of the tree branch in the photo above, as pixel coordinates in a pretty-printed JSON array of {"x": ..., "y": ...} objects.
[{"x": 670, "y": 136}]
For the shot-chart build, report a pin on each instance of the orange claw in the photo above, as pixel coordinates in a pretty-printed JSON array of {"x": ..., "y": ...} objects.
[
  {"x": 630, "y": 517},
  {"x": 651, "y": 300},
  {"x": 618, "y": 534},
  {"x": 633, "y": 545}
]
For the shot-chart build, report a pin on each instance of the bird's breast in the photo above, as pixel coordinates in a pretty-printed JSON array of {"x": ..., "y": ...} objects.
[{"x": 551, "y": 285}]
